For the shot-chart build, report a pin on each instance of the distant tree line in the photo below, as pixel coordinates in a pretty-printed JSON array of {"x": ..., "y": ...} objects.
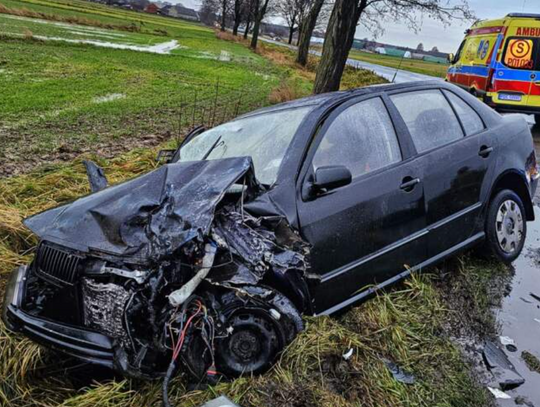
[{"x": 339, "y": 18}]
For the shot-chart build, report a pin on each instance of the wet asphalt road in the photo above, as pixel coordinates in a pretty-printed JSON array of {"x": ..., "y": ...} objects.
[
  {"x": 390, "y": 74},
  {"x": 519, "y": 316}
]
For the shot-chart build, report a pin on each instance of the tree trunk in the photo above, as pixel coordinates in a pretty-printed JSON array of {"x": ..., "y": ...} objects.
[
  {"x": 259, "y": 15},
  {"x": 235, "y": 28},
  {"x": 255, "y": 35},
  {"x": 291, "y": 33},
  {"x": 248, "y": 26},
  {"x": 223, "y": 14},
  {"x": 337, "y": 44},
  {"x": 237, "y": 16},
  {"x": 222, "y": 25},
  {"x": 306, "y": 31}
]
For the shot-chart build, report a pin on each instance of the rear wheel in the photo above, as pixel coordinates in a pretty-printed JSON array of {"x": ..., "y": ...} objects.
[{"x": 506, "y": 226}]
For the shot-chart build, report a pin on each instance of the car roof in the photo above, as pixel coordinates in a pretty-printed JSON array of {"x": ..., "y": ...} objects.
[{"x": 331, "y": 97}]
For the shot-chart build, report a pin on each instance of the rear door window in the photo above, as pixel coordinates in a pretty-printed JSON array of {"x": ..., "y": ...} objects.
[
  {"x": 429, "y": 117},
  {"x": 471, "y": 121},
  {"x": 362, "y": 138},
  {"x": 522, "y": 53}
]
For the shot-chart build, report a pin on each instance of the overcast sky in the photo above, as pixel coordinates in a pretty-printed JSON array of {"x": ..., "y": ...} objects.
[{"x": 432, "y": 32}]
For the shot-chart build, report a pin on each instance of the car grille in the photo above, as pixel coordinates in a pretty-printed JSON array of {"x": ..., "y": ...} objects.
[{"x": 56, "y": 265}]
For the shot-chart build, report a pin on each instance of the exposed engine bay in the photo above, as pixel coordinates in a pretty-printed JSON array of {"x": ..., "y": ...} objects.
[{"x": 176, "y": 269}]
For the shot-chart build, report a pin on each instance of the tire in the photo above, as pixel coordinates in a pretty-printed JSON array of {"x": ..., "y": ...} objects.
[
  {"x": 506, "y": 227},
  {"x": 260, "y": 330},
  {"x": 537, "y": 119}
]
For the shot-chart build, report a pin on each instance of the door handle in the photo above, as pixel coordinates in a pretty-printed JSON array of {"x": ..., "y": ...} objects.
[
  {"x": 408, "y": 183},
  {"x": 485, "y": 151}
]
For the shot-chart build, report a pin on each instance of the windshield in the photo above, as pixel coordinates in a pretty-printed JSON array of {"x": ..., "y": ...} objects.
[{"x": 265, "y": 138}]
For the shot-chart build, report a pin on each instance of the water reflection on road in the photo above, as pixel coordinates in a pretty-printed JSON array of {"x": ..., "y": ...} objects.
[{"x": 519, "y": 316}]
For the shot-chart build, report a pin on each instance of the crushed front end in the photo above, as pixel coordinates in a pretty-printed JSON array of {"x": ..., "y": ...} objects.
[{"x": 177, "y": 273}]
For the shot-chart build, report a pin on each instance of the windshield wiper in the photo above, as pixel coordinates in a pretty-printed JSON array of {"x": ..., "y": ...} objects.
[{"x": 211, "y": 149}]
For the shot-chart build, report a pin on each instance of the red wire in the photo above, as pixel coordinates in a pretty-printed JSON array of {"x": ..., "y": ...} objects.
[{"x": 180, "y": 342}]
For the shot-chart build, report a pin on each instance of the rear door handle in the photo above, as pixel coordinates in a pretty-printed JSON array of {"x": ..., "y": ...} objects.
[
  {"x": 408, "y": 183},
  {"x": 485, "y": 151}
]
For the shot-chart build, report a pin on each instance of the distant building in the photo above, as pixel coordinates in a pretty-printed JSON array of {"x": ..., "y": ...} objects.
[
  {"x": 152, "y": 8},
  {"x": 179, "y": 11},
  {"x": 139, "y": 5}
]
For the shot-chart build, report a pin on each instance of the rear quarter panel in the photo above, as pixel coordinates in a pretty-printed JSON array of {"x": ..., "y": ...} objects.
[{"x": 515, "y": 148}]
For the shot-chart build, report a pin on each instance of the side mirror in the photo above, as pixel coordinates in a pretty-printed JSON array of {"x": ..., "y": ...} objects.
[
  {"x": 331, "y": 177},
  {"x": 451, "y": 58}
]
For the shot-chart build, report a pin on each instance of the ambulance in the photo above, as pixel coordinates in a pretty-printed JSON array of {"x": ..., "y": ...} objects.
[{"x": 499, "y": 61}]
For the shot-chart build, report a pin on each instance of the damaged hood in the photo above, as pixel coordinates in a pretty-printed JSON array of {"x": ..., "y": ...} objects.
[{"x": 150, "y": 216}]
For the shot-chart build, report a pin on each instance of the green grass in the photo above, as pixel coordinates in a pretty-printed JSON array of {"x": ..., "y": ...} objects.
[
  {"x": 60, "y": 99},
  {"x": 422, "y": 67}
]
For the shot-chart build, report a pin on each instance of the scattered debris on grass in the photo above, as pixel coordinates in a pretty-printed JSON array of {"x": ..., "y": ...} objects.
[
  {"x": 499, "y": 394},
  {"x": 501, "y": 368},
  {"x": 399, "y": 374}
]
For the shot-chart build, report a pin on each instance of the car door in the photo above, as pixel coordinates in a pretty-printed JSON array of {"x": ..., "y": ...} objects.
[
  {"x": 454, "y": 152},
  {"x": 367, "y": 231}
]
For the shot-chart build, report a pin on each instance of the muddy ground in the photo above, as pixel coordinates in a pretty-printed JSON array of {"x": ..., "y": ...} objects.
[{"x": 514, "y": 325}]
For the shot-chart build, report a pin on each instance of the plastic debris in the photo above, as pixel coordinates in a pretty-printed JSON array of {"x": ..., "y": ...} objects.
[
  {"x": 499, "y": 394},
  {"x": 506, "y": 340},
  {"x": 400, "y": 375},
  {"x": 500, "y": 366},
  {"x": 96, "y": 176},
  {"x": 536, "y": 297},
  {"x": 221, "y": 401},
  {"x": 347, "y": 355}
]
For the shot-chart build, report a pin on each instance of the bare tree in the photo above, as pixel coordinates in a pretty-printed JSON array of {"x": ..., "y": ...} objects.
[
  {"x": 260, "y": 9},
  {"x": 346, "y": 15},
  {"x": 207, "y": 12},
  {"x": 239, "y": 11},
  {"x": 307, "y": 26},
  {"x": 293, "y": 12},
  {"x": 223, "y": 9},
  {"x": 250, "y": 10}
]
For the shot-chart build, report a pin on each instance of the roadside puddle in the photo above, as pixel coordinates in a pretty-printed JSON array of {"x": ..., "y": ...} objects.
[{"x": 519, "y": 316}]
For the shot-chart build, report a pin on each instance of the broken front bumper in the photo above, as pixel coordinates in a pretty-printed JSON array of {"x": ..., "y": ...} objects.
[{"x": 80, "y": 343}]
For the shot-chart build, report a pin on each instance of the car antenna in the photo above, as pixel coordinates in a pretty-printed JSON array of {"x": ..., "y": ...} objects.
[{"x": 399, "y": 66}]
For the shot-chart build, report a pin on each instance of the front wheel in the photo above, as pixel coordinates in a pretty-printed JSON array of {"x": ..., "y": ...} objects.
[{"x": 506, "y": 226}]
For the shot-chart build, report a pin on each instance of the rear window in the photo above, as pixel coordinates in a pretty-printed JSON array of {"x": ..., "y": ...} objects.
[
  {"x": 521, "y": 53},
  {"x": 429, "y": 117},
  {"x": 471, "y": 121}
]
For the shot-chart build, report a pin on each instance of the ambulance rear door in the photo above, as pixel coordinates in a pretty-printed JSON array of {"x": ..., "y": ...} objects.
[{"x": 517, "y": 81}]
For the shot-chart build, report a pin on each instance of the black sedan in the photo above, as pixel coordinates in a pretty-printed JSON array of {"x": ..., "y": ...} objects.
[{"x": 208, "y": 262}]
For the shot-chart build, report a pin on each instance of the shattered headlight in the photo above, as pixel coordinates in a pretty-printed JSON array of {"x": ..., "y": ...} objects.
[{"x": 13, "y": 289}]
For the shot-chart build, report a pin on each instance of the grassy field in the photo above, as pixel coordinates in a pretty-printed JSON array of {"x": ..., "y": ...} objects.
[
  {"x": 423, "y": 67},
  {"x": 63, "y": 101},
  {"x": 60, "y": 98}
]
